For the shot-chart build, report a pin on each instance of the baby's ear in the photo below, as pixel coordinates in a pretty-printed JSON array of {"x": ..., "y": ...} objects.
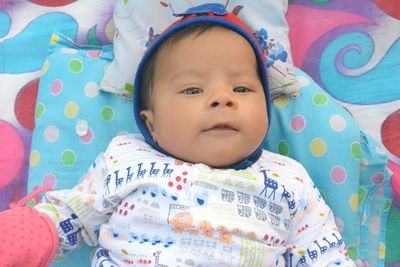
[{"x": 147, "y": 116}]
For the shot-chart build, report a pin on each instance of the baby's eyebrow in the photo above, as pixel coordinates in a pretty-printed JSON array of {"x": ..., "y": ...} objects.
[{"x": 185, "y": 73}]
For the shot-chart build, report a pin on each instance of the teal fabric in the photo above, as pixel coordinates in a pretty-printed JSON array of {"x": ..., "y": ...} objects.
[
  {"x": 69, "y": 93},
  {"x": 375, "y": 202},
  {"x": 348, "y": 167},
  {"x": 315, "y": 130},
  {"x": 392, "y": 237}
]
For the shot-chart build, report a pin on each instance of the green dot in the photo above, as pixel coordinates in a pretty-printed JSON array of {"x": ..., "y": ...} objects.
[
  {"x": 107, "y": 113},
  {"x": 31, "y": 203},
  {"x": 283, "y": 148},
  {"x": 75, "y": 65},
  {"x": 388, "y": 205},
  {"x": 352, "y": 250},
  {"x": 320, "y": 99},
  {"x": 40, "y": 109},
  {"x": 362, "y": 193},
  {"x": 68, "y": 157},
  {"x": 129, "y": 88},
  {"x": 356, "y": 150}
]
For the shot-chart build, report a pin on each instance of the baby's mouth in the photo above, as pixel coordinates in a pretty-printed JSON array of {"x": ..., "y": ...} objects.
[{"x": 221, "y": 127}]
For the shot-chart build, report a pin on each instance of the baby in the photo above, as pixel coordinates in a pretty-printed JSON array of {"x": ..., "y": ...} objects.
[{"x": 196, "y": 189}]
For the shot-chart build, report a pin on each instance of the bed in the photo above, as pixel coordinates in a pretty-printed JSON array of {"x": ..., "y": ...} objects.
[{"x": 349, "y": 50}]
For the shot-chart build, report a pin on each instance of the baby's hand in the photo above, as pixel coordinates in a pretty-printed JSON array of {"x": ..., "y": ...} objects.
[{"x": 28, "y": 238}]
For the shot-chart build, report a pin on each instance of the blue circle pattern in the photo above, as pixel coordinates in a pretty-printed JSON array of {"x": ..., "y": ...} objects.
[
  {"x": 80, "y": 89},
  {"x": 315, "y": 130}
]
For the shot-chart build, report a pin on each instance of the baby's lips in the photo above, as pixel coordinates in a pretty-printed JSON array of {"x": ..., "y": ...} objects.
[{"x": 222, "y": 126}]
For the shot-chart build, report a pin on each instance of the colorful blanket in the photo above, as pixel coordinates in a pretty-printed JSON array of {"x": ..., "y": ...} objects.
[{"x": 350, "y": 48}]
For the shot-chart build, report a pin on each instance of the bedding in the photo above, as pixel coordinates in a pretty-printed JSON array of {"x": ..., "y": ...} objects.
[
  {"x": 354, "y": 58},
  {"x": 74, "y": 119},
  {"x": 355, "y": 53},
  {"x": 136, "y": 28},
  {"x": 63, "y": 146},
  {"x": 25, "y": 30}
]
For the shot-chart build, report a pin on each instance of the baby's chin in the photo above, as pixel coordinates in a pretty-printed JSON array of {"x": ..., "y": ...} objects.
[{"x": 219, "y": 157}]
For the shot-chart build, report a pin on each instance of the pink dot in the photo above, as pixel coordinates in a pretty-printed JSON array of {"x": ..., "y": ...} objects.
[
  {"x": 49, "y": 180},
  {"x": 88, "y": 138},
  {"x": 94, "y": 53},
  {"x": 298, "y": 123},
  {"x": 56, "y": 87},
  {"x": 179, "y": 187},
  {"x": 11, "y": 153},
  {"x": 184, "y": 173},
  {"x": 338, "y": 175},
  {"x": 178, "y": 178},
  {"x": 378, "y": 178},
  {"x": 170, "y": 184}
]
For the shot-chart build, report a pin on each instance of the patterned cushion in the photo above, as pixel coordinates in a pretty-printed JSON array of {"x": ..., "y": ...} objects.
[
  {"x": 136, "y": 25},
  {"x": 74, "y": 120},
  {"x": 315, "y": 130}
]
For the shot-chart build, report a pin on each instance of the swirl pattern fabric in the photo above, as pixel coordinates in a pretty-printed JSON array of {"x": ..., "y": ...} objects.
[{"x": 354, "y": 58}]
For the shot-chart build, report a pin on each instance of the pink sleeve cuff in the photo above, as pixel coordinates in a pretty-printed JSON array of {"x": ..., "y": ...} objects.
[{"x": 29, "y": 237}]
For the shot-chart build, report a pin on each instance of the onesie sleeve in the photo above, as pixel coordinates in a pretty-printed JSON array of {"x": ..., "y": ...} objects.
[
  {"x": 314, "y": 239},
  {"x": 78, "y": 213}
]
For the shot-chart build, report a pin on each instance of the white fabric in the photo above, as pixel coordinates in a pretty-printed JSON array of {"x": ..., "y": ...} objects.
[
  {"x": 144, "y": 207},
  {"x": 138, "y": 21}
]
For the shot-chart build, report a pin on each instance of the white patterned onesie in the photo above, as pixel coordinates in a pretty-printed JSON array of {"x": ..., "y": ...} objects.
[{"x": 147, "y": 209}]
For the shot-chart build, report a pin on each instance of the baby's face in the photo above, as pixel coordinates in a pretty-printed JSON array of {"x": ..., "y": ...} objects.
[{"x": 208, "y": 104}]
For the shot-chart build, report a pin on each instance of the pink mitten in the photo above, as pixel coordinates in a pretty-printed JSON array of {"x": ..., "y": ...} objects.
[{"x": 27, "y": 237}]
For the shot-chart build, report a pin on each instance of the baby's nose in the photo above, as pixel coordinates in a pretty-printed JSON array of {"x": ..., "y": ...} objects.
[
  {"x": 222, "y": 102},
  {"x": 222, "y": 97}
]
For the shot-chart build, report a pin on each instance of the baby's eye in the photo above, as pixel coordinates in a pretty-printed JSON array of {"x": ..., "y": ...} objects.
[
  {"x": 241, "y": 89},
  {"x": 192, "y": 91}
]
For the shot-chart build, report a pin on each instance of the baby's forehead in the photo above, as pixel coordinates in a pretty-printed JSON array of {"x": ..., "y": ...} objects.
[
  {"x": 203, "y": 33},
  {"x": 192, "y": 31},
  {"x": 207, "y": 48}
]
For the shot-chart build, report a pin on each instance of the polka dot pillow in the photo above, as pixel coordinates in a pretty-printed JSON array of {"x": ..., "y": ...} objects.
[
  {"x": 74, "y": 119},
  {"x": 320, "y": 134}
]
